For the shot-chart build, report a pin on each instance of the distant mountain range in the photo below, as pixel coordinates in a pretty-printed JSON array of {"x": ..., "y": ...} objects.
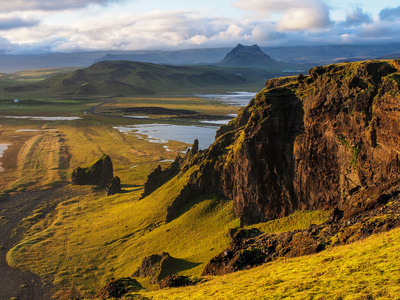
[
  {"x": 131, "y": 78},
  {"x": 315, "y": 55}
]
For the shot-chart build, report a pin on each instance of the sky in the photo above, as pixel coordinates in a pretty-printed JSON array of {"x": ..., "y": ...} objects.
[{"x": 36, "y": 26}]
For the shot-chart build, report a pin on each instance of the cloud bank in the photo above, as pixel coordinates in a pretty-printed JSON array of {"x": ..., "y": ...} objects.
[
  {"x": 44, "y": 26},
  {"x": 52, "y": 5},
  {"x": 293, "y": 15}
]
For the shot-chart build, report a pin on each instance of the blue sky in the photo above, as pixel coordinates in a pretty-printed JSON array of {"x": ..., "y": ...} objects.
[{"x": 76, "y": 25}]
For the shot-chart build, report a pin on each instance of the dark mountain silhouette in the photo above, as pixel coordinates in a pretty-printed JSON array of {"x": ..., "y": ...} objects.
[{"x": 244, "y": 56}]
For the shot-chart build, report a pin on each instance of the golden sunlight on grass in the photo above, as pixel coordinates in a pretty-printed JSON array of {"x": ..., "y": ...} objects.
[{"x": 367, "y": 269}]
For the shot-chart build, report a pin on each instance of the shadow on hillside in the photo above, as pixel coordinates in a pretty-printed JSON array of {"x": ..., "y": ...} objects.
[
  {"x": 128, "y": 188},
  {"x": 177, "y": 265}
]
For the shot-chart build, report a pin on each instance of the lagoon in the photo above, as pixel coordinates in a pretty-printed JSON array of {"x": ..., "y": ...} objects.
[
  {"x": 162, "y": 133},
  {"x": 238, "y": 99}
]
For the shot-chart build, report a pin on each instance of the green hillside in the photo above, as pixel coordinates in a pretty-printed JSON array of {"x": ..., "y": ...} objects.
[
  {"x": 128, "y": 78},
  {"x": 131, "y": 78}
]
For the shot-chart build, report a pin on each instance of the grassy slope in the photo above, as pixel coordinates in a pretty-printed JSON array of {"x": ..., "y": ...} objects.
[
  {"x": 367, "y": 269},
  {"x": 130, "y": 78},
  {"x": 89, "y": 240}
]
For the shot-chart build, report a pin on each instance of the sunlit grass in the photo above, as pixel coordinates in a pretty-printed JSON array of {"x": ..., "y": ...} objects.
[
  {"x": 91, "y": 239},
  {"x": 367, "y": 269},
  {"x": 297, "y": 221}
]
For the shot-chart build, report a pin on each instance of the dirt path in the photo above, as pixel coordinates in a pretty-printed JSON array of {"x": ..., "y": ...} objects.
[{"x": 13, "y": 282}]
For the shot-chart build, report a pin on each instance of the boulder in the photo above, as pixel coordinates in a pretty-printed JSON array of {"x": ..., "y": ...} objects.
[
  {"x": 113, "y": 186},
  {"x": 118, "y": 288},
  {"x": 154, "y": 266},
  {"x": 175, "y": 281}
]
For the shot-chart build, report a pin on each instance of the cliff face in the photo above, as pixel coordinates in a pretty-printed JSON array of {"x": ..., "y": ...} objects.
[{"x": 308, "y": 142}]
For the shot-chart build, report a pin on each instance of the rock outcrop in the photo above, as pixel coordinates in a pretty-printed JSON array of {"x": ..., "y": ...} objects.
[
  {"x": 175, "y": 281},
  {"x": 117, "y": 288},
  {"x": 158, "y": 177},
  {"x": 154, "y": 266},
  {"x": 99, "y": 173},
  {"x": 305, "y": 142},
  {"x": 113, "y": 186}
]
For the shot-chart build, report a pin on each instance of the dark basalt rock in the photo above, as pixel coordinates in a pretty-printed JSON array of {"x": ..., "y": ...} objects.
[
  {"x": 158, "y": 177},
  {"x": 113, "y": 186},
  {"x": 175, "y": 281},
  {"x": 118, "y": 288},
  {"x": 154, "y": 265},
  {"x": 100, "y": 173},
  {"x": 336, "y": 216}
]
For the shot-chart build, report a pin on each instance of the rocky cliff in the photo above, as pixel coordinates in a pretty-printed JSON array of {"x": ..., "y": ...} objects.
[{"x": 321, "y": 141}]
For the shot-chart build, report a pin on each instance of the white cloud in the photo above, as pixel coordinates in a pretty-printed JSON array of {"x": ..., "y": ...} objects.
[{"x": 290, "y": 15}]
